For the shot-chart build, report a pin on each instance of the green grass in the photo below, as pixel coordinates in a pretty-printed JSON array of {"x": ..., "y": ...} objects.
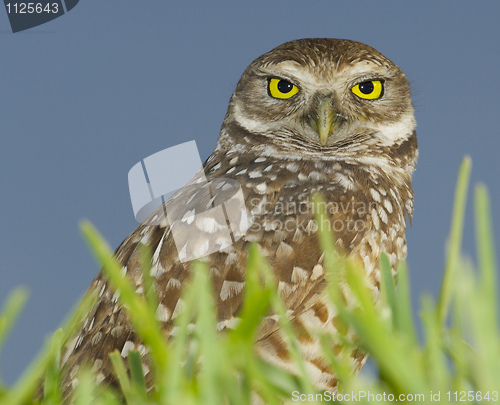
[{"x": 460, "y": 352}]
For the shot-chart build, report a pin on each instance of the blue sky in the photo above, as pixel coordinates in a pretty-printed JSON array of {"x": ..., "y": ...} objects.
[{"x": 85, "y": 97}]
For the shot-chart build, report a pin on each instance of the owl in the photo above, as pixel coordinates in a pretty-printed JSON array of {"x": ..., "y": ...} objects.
[{"x": 330, "y": 116}]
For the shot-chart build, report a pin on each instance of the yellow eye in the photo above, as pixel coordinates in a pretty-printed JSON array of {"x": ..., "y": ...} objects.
[
  {"x": 370, "y": 90},
  {"x": 279, "y": 88}
]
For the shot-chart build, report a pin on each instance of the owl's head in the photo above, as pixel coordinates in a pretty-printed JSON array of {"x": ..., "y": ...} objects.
[{"x": 324, "y": 95}]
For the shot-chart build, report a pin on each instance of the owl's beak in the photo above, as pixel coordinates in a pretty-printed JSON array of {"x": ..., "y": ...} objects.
[{"x": 323, "y": 120}]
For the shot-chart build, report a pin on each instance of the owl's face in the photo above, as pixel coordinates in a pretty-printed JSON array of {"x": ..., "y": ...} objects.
[{"x": 324, "y": 95}]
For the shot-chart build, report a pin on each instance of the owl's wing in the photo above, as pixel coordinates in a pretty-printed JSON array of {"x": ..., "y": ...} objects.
[
  {"x": 191, "y": 224},
  {"x": 107, "y": 327}
]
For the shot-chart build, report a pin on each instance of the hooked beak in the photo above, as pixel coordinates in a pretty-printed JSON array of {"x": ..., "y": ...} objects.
[{"x": 323, "y": 120}]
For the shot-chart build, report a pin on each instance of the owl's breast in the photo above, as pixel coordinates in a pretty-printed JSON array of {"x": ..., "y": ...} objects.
[{"x": 366, "y": 209}]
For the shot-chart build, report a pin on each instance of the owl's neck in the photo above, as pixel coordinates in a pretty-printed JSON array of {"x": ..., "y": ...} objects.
[{"x": 396, "y": 161}]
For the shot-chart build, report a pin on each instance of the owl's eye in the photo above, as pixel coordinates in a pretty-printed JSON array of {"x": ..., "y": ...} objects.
[
  {"x": 279, "y": 88},
  {"x": 370, "y": 90}
]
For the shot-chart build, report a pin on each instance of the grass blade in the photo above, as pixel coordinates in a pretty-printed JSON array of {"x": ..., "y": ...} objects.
[
  {"x": 122, "y": 376},
  {"x": 141, "y": 316},
  {"x": 13, "y": 306},
  {"x": 388, "y": 289},
  {"x": 485, "y": 245},
  {"x": 137, "y": 374},
  {"x": 455, "y": 240}
]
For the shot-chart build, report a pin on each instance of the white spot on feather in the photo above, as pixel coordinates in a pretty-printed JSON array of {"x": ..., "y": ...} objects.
[
  {"x": 162, "y": 313},
  {"x": 173, "y": 283},
  {"x": 255, "y": 174},
  {"x": 252, "y": 237},
  {"x": 156, "y": 253},
  {"x": 299, "y": 275},
  {"x": 261, "y": 188},
  {"x": 298, "y": 236},
  {"x": 375, "y": 194},
  {"x": 128, "y": 346},
  {"x": 97, "y": 366},
  {"x": 179, "y": 307},
  {"x": 116, "y": 296},
  {"x": 231, "y": 259},
  {"x": 79, "y": 342},
  {"x": 284, "y": 289},
  {"x": 97, "y": 338},
  {"x": 375, "y": 219},
  {"x": 74, "y": 371},
  {"x": 69, "y": 351},
  {"x": 207, "y": 224},
  {"x": 382, "y": 214},
  {"x": 316, "y": 176},
  {"x": 210, "y": 202},
  {"x": 188, "y": 217},
  {"x": 228, "y": 323},
  {"x": 284, "y": 250},
  {"x": 317, "y": 272},
  {"x": 245, "y": 223},
  {"x": 271, "y": 226},
  {"x": 230, "y": 288},
  {"x": 117, "y": 331},
  {"x": 344, "y": 181},
  {"x": 388, "y": 205},
  {"x": 399, "y": 242},
  {"x": 157, "y": 270}
]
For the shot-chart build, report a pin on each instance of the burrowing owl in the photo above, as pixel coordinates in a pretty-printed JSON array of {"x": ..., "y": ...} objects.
[{"x": 326, "y": 115}]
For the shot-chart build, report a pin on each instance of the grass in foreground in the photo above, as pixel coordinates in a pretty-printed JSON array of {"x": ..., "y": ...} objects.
[{"x": 458, "y": 362}]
